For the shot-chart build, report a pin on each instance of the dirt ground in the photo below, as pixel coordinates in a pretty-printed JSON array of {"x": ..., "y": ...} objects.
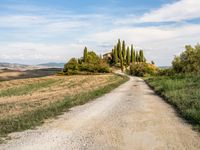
[{"x": 131, "y": 117}]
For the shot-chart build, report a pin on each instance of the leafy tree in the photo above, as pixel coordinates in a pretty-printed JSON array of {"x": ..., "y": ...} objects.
[
  {"x": 132, "y": 54},
  {"x": 71, "y": 65},
  {"x": 85, "y": 54},
  {"x": 177, "y": 65},
  {"x": 128, "y": 57},
  {"x": 92, "y": 58},
  {"x": 188, "y": 61}
]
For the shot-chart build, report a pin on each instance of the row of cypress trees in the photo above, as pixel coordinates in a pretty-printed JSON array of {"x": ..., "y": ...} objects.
[{"x": 126, "y": 55}]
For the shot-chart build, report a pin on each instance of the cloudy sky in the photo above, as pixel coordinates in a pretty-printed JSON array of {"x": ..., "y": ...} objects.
[{"x": 40, "y": 31}]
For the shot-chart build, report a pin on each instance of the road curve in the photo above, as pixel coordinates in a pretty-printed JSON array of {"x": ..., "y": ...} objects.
[{"x": 131, "y": 117}]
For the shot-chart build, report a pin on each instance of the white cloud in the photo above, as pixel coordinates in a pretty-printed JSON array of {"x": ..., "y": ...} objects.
[
  {"x": 38, "y": 52},
  {"x": 160, "y": 43},
  {"x": 62, "y": 35},
  {"x": 178, "y": 11}
]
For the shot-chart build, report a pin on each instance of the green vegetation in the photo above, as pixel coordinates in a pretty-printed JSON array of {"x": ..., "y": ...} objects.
[
  {"x": 31, "y": 119},
  {"x": 26, "y": 89},
  {"x": 128, "y": 57},
  {"x": 143, "y": 69},
  {"x": 188, "y": 61},
  {"x": 121, "y": 57},
  {"x": 182, "y": 91},
  {"x": 180, "y": 85},
  {"x": 133, "y": 61},
  {"x": 89, "y": 64}
]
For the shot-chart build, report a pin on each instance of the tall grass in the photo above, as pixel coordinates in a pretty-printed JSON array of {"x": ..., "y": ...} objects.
[{"x": 183, "y": 91}]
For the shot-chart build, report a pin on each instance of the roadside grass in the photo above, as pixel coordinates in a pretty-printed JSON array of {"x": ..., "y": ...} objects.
[
  {"x": 26, "y": 89},
  {"x": 30, "y": 119},
  {"x": 183, "y": 92}
]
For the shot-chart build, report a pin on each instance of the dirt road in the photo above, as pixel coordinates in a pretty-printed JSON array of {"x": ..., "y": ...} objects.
[{"x": 130, "y": 117}]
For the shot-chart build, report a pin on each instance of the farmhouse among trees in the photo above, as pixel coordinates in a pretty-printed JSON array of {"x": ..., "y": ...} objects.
[{"x": 121, "y": 56}]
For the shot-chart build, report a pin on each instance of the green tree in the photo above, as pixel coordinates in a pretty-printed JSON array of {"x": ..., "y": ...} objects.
[
  {"x": 92, "y": 58},
  {"x": 128, "y": 57},
  {"x": 85, "y": 53},
  {"x": 124, "y": 50},
  {"x": 119, "y": 49},
  {"x": 188, "y": 61},
  {"x": 132, "y": 54},
  {"x": 177, "y": 64},
  {"x": 121, "y": 63},
  {"x": 152, "y": 62},
  {"x": 115, "y": 55},
  {"x": 137, "y": 57},
  {"x": 141, "y": 56},
  {"x": 71, "y": 65}
]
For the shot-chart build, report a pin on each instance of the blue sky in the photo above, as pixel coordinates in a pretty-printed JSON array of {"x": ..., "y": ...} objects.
[{"x": 39, "y": 31}]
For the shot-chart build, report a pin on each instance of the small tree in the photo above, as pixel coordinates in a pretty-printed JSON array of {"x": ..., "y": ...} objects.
[
  {"x": 85, "y": 53},
  {"x": 152, "y": 62},
  {"x": 71, "y": 65}
]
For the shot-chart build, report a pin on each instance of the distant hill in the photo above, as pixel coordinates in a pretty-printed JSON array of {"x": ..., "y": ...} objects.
[
  {"x": 164, "y": 67},
  {"x": 19, "y": 67},
  {"x": 53, "y": 65}
]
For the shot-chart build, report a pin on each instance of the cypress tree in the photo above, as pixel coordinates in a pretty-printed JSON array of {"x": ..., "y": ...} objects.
[
  {"x": 115, "y": 55},
  {"x": 132, "y": 54},
  {"x": 121, "y": 63},
  {"x": 85, "y": 54},
  {"x": 141, "y": 57},
  {"x": 128, "y": 57},
  {"x": 119, "y": 48},
  {"x": 124, "y": 50},
  {"x": 137, "y": 58}
]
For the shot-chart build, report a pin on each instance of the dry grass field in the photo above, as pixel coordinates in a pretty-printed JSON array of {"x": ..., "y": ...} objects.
[
  {"x": 23, "y": 95},
  {"x": 23, "y": 99},
  {"x": 7, "y": 74}
]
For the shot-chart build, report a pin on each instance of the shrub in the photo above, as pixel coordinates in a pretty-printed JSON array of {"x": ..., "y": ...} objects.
[
  {"x": 142, "y": 69},
  {"x": 166, "y": 72},
  {"x": 91, "y": 64},
  {"x": 72, "y": 65}
]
